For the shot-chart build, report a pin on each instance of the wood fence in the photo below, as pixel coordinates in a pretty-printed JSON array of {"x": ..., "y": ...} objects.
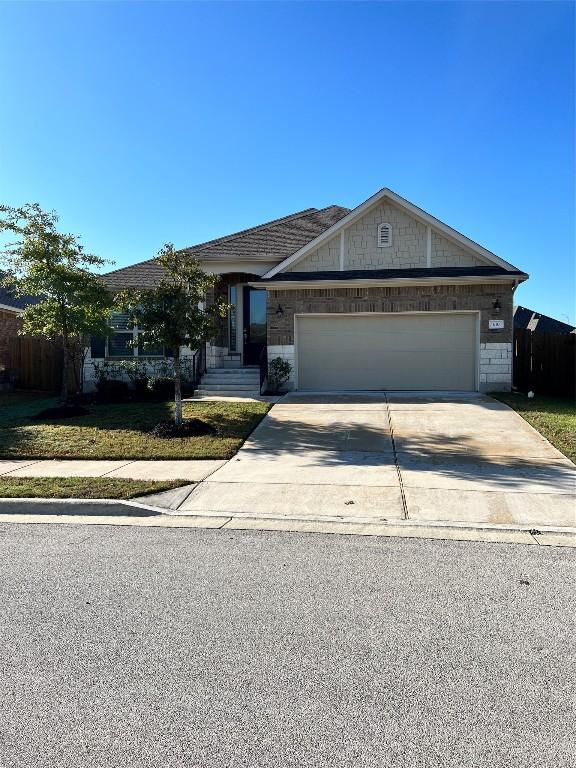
[
  {"x": 545, "y": 363},
  {"x": 38, "y": 364}
]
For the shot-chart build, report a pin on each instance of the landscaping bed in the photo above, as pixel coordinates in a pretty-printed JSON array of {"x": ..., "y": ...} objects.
[
  {"x": 82, "y": 487},
  {"x": 553, "y": 417},
  {"x": 122, "y": 431}
]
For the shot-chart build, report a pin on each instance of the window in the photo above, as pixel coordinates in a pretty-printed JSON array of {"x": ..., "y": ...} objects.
[
  {"x": 384, "y": 235},
  {"x": 232, "y": 318},
  {"x": 120, "y": 344},
  {"x": 127, "y": 341}
]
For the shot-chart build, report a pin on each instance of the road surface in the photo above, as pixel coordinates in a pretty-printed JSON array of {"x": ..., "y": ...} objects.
[{"x": 176, "y": 648}]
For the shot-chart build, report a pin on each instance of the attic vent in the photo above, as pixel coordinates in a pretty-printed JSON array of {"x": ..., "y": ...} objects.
[{"x": 384, "y": 235}]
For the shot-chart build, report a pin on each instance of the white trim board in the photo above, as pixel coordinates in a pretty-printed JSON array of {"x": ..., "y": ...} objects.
[
  {"x": 417, "y": 213},
  {"x": 287, "y": 285}
]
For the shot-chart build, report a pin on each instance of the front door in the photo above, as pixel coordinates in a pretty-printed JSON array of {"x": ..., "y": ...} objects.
[{"x": 254, "y": 324}]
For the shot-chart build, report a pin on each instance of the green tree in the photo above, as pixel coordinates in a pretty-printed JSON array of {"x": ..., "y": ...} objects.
[
  {"x": 72, "y": 303},
  {"x": 173, "y": 313}
]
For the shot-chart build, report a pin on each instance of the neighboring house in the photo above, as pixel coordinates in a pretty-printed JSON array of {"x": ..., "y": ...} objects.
[
  {"x": 11, "y": 308},
  {"x": 383, "y": 296},
  {"x": 529, "y": 320}
]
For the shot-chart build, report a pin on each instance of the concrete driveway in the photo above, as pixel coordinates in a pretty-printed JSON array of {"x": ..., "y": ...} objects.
[{"x": 382, "y": 456}]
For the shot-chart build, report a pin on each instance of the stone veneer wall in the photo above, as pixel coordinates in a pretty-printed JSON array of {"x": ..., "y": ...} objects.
[
  {"x": 90, "y": 374},
  {"x": 496, "y": 346},
  {"x": 10, "y": 324},
  {"x": 408, "y": 249},
  {"x": 445, "y": 253},
  {"x": 495, "y": 366},
  {"x": 327, "y": 257}
]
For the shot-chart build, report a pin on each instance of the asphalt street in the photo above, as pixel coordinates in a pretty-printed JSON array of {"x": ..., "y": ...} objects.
[{"x": 130, "y": 646}]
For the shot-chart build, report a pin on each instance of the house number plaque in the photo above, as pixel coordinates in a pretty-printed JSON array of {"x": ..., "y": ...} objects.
[{"x": 495, "y": 325}]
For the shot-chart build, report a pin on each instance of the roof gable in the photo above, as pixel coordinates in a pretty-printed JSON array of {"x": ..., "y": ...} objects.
[
  {"x": 423, "y": 217},
  {"x": 529, "y": 319},
  {"x": 8, "y": 300}
]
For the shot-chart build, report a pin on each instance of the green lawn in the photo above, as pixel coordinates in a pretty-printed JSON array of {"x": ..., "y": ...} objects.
[
  {"x": 553, "y": 417},
  {"x": 120, "y": 431},
  {"x": 81, "y": 487}
]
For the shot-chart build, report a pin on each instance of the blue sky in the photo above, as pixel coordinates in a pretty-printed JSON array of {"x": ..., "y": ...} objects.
[{"x": 142, "y": 123}]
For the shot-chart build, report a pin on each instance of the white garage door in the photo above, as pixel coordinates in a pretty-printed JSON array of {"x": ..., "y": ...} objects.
[{"x": 401, "y": 351}]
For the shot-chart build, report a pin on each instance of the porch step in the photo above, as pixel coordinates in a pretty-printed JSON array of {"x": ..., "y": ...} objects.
[
  {"x": 249, "y": 387},
  {"x": 221, "y": 393},
  {"x": 231, "y": 383},
  {"x": 232, "y": 371}
]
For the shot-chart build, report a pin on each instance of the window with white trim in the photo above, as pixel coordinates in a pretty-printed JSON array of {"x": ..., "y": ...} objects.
[
  {"x": 126, "y": 341},
  {"x": 384, "y": 235}
]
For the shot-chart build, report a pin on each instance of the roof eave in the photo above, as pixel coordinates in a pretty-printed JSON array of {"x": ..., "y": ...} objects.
[
  {"x": 382, "y": 282},
  {"x": 11, "y": 308}
]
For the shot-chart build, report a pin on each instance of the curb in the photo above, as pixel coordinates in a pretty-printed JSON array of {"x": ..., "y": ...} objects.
[{"x": 11, "y": 512}]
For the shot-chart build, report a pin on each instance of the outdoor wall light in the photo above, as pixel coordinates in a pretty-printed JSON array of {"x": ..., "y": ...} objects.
[
  {"x": 279, "y": 311},
  {"x": 496, "y": 306}
]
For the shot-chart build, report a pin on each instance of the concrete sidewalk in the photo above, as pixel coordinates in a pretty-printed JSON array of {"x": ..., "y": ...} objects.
[{"x": 192, "y": 470}]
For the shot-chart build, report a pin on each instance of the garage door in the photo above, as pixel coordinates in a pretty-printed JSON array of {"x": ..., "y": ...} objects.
[{"x": 419, "y": 351}]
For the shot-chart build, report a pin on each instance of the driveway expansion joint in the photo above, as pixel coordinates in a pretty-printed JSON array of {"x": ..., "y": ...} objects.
[{"x": 396, "y": 464}]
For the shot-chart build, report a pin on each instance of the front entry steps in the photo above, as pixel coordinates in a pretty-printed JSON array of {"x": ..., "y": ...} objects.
[{"x": 230, "y": 382}]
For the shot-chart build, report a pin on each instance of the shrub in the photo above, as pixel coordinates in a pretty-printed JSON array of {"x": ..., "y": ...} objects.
[
  {"x": 279, "y": 371},
  {"x": 162, "y": 387},
  {"x": 141, "y": 388},
  {"x": 113, "y": 390}
]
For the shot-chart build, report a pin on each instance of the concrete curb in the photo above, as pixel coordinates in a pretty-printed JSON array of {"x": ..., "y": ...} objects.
[{"x": 13, "y": 511}]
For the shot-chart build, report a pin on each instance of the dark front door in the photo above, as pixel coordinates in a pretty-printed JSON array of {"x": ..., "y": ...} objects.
[{"x": 254, "y": 324}]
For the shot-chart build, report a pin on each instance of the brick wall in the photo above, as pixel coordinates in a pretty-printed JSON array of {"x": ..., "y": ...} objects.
[
  {"x": 388, "y": 299},
  {"x": 220, "y": 291},
  {"x": 10, "y": 324}
]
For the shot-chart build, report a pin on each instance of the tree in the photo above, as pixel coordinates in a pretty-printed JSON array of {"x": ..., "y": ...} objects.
[
  {"x": 173, "y": 313},
  {"x": 72, "y": 302}
]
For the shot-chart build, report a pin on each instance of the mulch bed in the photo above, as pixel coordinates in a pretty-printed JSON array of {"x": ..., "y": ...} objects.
[
  {"x": 60, "y": 412},
  {"x": 188, "y": 428}
]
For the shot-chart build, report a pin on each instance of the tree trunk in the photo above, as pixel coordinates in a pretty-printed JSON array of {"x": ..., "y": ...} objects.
[
  {"x": 177, "y": 388},
  {"x": 64, "y": 392},
  {"x": 77, "y": 362}
]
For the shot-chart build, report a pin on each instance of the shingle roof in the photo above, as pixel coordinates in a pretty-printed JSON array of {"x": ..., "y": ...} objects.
[
  {"x": 17, "y": 302},
  {"x": 534, "y": 321},
  {"x": 391, "y": 274},
  {"x": 273, "y": 241}
]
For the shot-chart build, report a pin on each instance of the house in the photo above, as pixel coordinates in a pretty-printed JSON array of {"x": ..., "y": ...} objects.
[
  {"x": 11, "y": 308},
  {"x": 529, "y": 320},
  {"x": 384, "y": 296}
]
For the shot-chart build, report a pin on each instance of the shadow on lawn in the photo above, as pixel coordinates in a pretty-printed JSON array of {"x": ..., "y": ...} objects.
[{"x": 93, "y": 435}]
